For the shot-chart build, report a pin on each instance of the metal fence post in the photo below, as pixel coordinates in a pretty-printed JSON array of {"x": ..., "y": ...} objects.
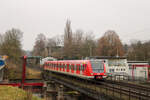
[{"x": 129, "y": 93}]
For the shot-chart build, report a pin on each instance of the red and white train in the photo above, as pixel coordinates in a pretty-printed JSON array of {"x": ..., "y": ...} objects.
[{"x": 79, "y": 68}]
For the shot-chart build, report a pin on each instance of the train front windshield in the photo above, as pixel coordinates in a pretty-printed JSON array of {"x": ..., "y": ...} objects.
[{"x": 97, "y": 66}]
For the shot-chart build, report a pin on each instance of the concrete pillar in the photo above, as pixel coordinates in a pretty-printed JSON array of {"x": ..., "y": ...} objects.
[
  {"x": 60, "y": 93},
  {"x": 50, "y": 91},
  {"x": 72, "y": 96}
]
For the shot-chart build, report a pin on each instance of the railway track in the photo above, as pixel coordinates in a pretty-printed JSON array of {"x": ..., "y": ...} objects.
[
  {"x": 134, "y": 90},
  {"x": 130, "y": 85},
  {"x": 123, "y": 91}
]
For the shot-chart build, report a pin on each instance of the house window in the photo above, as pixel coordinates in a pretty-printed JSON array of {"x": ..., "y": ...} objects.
[{"x": 111, "y": 70}]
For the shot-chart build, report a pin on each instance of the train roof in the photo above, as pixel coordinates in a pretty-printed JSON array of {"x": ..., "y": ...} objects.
[{"x": 73, "y": 61}]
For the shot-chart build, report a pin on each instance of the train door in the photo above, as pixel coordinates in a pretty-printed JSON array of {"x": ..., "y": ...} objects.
[
  {"x": 45, "y": 65},
  {"x": 67, "y": 67},
  {"x": 72, "y": 68},
  {"x": 77, "y": 69},
  {"x": 53, "y": 66},
  {"x": 57, "y": 66},
  {"x": 63, "y": 67},
  {"x": 60, "y": 66},
  {"x": 85, "y": 71},
  {"x": 81, "y": 67},
  {"x": 49, "y": 67}
]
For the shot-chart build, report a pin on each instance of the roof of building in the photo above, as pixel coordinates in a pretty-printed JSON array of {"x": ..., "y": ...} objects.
[
  {"x": 138, "y": 62},
  {"x": 106, "y": 57}
]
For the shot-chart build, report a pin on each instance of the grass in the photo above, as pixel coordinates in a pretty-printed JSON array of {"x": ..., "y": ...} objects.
[
  {"x": 33, "y": 73},
  {"x": 14, "y": 93}
]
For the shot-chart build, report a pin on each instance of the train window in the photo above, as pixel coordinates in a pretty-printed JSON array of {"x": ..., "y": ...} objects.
[
  {"x": 72, "y": 67},
  {"x": 111, "y": 70},
  {"x": 85, "y": 66},
  {"x": 77, "y": 67},
  {"x": 65, "y": 66},
  {"x": 81, "y": 67}
]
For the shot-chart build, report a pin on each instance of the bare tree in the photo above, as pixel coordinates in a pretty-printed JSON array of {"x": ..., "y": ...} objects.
[
  {"x": 139, "y": 50},
  {"x": 77, "y": 44},
  {"x": 110, "y": 45},
  {"x": 11, "y": 44},
  {"x": 89, "y": 45},
  {"x": 52, "y": 44},
  {"x": 40, "y": 46},
  {"x": 68, "y": 40}
]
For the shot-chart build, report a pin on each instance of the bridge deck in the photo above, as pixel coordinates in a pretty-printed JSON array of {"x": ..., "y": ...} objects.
[{"x": 100, "y": 90}]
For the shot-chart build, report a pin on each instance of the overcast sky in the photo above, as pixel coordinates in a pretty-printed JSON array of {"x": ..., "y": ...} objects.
[{"x": 129, "y": 18}]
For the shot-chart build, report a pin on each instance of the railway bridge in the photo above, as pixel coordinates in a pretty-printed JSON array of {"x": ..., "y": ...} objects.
[
  {"x": 93, "y": 89},
  {"x": 58, "y": 86}
]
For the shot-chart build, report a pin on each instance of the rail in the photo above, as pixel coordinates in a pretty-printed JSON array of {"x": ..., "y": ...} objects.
[{"x": 102, "y": 89}]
